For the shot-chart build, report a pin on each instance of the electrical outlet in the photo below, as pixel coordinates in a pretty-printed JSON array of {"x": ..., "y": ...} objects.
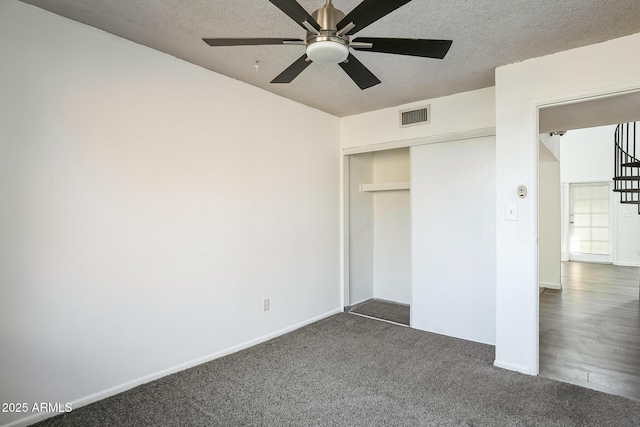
[{"x": 267, "y": 304}]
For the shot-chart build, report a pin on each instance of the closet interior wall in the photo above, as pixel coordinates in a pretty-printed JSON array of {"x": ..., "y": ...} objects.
[{"x": 379, "y": 227}]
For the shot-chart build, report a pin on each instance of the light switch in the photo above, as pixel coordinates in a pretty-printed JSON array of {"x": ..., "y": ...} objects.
[
  {"x": 511, "y": 212},
  {"x": 625, "y": 213}
]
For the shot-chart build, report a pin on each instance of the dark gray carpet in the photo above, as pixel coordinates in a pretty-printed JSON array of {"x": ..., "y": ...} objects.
[
  {"x": 385, "y": 310},
  {"x": 352, "y": 371}
]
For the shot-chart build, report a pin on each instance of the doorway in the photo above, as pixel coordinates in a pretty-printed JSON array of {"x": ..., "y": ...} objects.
[{"x": 588, "y": 330}]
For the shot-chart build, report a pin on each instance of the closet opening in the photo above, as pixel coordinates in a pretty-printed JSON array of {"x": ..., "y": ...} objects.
[{"x": 378, "y": 235}]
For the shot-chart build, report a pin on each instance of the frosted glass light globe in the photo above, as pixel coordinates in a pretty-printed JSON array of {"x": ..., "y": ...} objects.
[{"x": 327, "y": 52}]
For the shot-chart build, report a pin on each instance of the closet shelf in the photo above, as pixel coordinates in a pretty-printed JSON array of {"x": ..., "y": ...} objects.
[{"x": 389, "y": 186}]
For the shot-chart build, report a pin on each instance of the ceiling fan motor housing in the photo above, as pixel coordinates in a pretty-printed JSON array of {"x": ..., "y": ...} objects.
[{"x": 327, "y": 47}]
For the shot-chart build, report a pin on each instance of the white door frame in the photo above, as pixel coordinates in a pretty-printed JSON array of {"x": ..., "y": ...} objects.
[
  {"x": 345, "y": 259},
  {"x": 564, "y": 206},
  {"x": 534, "y": 126}
]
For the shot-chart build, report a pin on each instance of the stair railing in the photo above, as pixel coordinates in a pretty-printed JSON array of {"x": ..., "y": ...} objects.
[{"x": 626, "y": 179}]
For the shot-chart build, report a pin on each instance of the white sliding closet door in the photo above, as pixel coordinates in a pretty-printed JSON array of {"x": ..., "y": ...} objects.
[{"x": 453, "y": 233}]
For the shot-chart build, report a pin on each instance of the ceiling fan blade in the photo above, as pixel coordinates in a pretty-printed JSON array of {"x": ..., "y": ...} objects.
[
  {"x": 250, "y": 42},
  {"x": 414, "y": 47},
  {"x": 359, "y": 73},
  {"x": 368, "y": 12},
  {"x": 296, "y": 12},
  {"x": 292, "y": 72}
]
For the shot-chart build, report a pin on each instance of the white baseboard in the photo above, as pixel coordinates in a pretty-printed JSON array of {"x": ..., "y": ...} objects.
[
  {"x": 549, "y": 285},
  {"x": 512, "y": 367},
  {"x": 627, "y": 264},
  {"x": 32, "y": 419},
  {"x": 361, "y": 302},
  {"x": 392, "y": 301}
]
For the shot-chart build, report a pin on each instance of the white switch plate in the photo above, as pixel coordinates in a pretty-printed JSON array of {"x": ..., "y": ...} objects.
[
  {"x": 625, "y": 213},
  {"x": 511, "y": 212}
]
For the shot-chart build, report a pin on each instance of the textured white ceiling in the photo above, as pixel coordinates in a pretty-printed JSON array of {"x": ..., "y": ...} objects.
[{"x": 485, "y": 34}]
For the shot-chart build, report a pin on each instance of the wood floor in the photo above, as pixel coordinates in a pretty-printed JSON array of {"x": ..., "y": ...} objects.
[{"x": 590, "y": 331}]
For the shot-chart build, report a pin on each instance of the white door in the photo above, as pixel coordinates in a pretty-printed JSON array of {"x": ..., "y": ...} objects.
[
  {"x": 453, "y": 239},
  {"x": 590, "y": 222}
]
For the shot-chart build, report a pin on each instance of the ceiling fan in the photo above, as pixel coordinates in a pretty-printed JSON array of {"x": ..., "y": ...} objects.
[{"x": 328, "y": 39}]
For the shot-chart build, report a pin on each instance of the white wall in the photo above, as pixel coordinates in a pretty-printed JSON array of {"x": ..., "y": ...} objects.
[
  {"x": 627, "y": 252},
  {"x": 361, "y": 229},
  {"x": 550, "y": 219},
  {"x": 552, "y": 145},
  {"x": 148, "y": 208},
  {"x": 588, "y": 156},
  {"x": 392, "y": 228},
  {"x": 521, "y": 89},
  {"x": 455, "y": 113},
  {"x": 453, "y": 238}
]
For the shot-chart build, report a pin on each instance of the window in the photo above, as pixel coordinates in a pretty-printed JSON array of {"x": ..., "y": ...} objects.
[{"x": 590, "y": 219}]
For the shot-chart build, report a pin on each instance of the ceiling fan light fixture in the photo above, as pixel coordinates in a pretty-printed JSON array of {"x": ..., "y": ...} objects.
[
  {"x": 328, "y": 40},
  {"x": 328, "y": 52}
]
